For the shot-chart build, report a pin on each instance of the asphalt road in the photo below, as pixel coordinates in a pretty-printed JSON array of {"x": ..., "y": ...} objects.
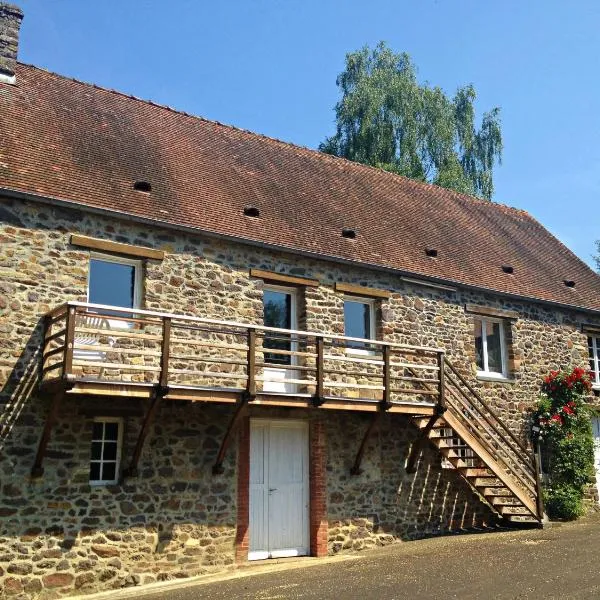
[{"x": 558, "y": 562}]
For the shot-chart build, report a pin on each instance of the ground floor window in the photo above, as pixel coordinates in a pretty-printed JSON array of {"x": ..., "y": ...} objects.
[{"x": 107, "y": 435}]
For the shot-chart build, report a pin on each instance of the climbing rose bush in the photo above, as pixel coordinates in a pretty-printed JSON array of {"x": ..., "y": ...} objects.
[{"x": 562, "y": 426}]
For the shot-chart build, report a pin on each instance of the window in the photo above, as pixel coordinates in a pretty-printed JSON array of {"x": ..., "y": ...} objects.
[
  {"x": 279, "y": 305},
  {"x": 107, "y": 435},
  {"x": 359, "y": 322},
  {"x": 594, "y": 353},
  {"x": 490, "y": 347},
  {"x": 114, "y": 281}
]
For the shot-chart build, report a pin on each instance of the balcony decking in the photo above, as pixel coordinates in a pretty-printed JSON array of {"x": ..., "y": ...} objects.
[{"x": 119, "y": 352}]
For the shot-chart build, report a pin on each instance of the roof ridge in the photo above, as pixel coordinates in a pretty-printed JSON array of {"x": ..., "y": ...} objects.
[{"x": 331, "y": 157}]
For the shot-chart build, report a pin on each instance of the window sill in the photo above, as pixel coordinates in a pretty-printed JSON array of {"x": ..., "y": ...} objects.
[{"x": 495, "y": 378}]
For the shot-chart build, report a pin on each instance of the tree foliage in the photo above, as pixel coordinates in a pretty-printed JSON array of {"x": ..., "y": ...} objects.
[{"x": 386, "y": 118}]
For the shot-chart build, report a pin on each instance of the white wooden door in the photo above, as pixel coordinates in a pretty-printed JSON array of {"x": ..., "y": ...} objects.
[
  {"x": 278, "y": 489},
  {"x": 596, "y": 431}
]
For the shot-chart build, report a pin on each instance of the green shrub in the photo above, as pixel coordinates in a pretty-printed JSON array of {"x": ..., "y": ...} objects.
[
  {"x": 563, "y": 429},
  {"x": 564, "y": 502}
]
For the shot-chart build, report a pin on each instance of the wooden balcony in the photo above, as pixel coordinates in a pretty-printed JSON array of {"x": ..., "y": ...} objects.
[{"x": 104, "y": 350}]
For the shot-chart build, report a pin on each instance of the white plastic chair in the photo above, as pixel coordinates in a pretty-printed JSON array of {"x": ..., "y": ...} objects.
[{"x": 91, "y": 339}]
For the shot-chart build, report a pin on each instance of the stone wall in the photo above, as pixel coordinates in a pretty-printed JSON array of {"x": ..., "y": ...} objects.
[{"x": 59, "y": 536}]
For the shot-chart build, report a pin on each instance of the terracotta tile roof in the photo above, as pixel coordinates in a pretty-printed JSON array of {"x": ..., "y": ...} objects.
[{"x": 74, "y": 141}]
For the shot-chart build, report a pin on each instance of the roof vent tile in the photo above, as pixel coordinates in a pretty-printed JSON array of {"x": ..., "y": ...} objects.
[
  {"x": 508, "y": 269},
  {"x": 251, "y": 211},
  {"x": 348, "y": 233},
  {"x": 142, "y": 186},
  {"x": 431, "y": 252},
  {"x": 569, "y": 283}
]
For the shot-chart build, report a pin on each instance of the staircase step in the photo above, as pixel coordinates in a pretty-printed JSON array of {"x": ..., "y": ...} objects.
[
  {"x": 488, "y": 481},
  {"x": 494, "y": 490},
  {"x": 513, "y": 511},
  {"x": 421, "y": 422},
  {"x": 504, "y": 501},
  {"x": 456, "y": 462},
  {"x": 478, "y": 473}
]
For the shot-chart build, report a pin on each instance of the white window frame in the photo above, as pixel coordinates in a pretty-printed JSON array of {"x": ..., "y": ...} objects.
[
  {"x": 596, "y": 358},
  {"x": 503, "y": 351},
  {"x": 370, "y": 302},
  {"x": 119, "y": 421},
  {"x": 115, "y": 322},
  {"x": 293, "y": 292}
]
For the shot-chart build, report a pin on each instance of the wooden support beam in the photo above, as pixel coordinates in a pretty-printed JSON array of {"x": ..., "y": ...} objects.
[
  {"x": 159, "y": 393},
  {"x": 251, "y": 366},
  {"x": 37, "y": 469},
  {"x": 415, "y": 449},
  {"x": 356, "y": 470},
  {"x": 539, "y": 497},
  {"x": 116, "y": 247},
  {"x": 387, "y": 379},
  {"x": 240, "y": 409},
  {"x": 319, "y": 397},
  {"x": 69, "y": 341},
  {"x": 282, "y": 278}
]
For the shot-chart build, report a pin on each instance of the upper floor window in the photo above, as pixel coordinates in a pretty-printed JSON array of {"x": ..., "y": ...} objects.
[
  {"x": 490, "y": 347},
  {"x": 107, "y": 436},
  {"x": 594, "y": 353},
  {"x": 114, "y": 281},
  {"x": 359, "y": 321},
  {"x": 279, "y": 305}
]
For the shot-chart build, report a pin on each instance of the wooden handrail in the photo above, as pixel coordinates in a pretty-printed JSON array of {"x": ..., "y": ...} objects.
[
  {"x": 258, "y": 328},
  {"x": 523, "y": 467},
  {"x": 486, "y": 406},
  {"x": 523, "y": 457}
]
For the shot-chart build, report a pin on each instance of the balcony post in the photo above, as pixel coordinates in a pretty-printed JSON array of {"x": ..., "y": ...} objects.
[
  {"x": 387, "y": 379},
  {"x": 319, "y": 397},
  {"x": 165, "y": 352},
  {"x": 69, "y": 341},
  {"x": 441, "y": 382},
  {"x": 251, "y": 365}
]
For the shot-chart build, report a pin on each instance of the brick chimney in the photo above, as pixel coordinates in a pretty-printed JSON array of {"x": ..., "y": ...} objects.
[{"x": 10, "y": 23}]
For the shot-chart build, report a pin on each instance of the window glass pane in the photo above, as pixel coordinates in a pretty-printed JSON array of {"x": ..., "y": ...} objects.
[
  {"x": 94, "y": 471},
  {"x": 111, "y": 283},
  {"x": 277, "y": 313},
  {"x": 479, "y": 346},
  {"x": 357, "y": 322},
  {"x": 110, "y": 451},
  {"x": 108, "y": 471},
  {"x": 111, "y": 431},
  {"x": 97, "y": 431},
  {"x": 357, "y": 319},
  {"x": 494, "y": 347},
  {"x": 96, "y": 450}
]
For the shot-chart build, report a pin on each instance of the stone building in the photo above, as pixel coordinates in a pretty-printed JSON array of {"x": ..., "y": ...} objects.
[{"x": 218, "y": 347}]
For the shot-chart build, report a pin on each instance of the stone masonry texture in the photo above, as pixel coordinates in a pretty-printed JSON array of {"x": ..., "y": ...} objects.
[
  {"x": 60, "y": 536},
  {"x": 10, "y": 23}
]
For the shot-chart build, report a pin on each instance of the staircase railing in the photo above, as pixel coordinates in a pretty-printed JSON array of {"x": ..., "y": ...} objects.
[{"x": 478, "y": 417}]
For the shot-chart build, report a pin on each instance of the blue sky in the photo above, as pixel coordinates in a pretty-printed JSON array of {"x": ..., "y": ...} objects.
[{"x": 270, "y": 66}]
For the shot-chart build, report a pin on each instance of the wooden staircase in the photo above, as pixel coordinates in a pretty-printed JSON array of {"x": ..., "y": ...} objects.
[{"x": 473, "y": 440}]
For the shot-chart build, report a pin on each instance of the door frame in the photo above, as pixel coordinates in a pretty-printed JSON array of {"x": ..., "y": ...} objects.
[{"x": 284, "y": 552}]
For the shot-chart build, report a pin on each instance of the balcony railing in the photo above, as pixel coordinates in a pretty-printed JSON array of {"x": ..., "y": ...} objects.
[{"x": 132, "y": 347}]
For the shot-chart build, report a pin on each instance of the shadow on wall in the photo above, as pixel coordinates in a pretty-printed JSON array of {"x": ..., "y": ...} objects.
[
  {"x": 20, "y": 384},
  {"x": 385, "y": 503}
]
